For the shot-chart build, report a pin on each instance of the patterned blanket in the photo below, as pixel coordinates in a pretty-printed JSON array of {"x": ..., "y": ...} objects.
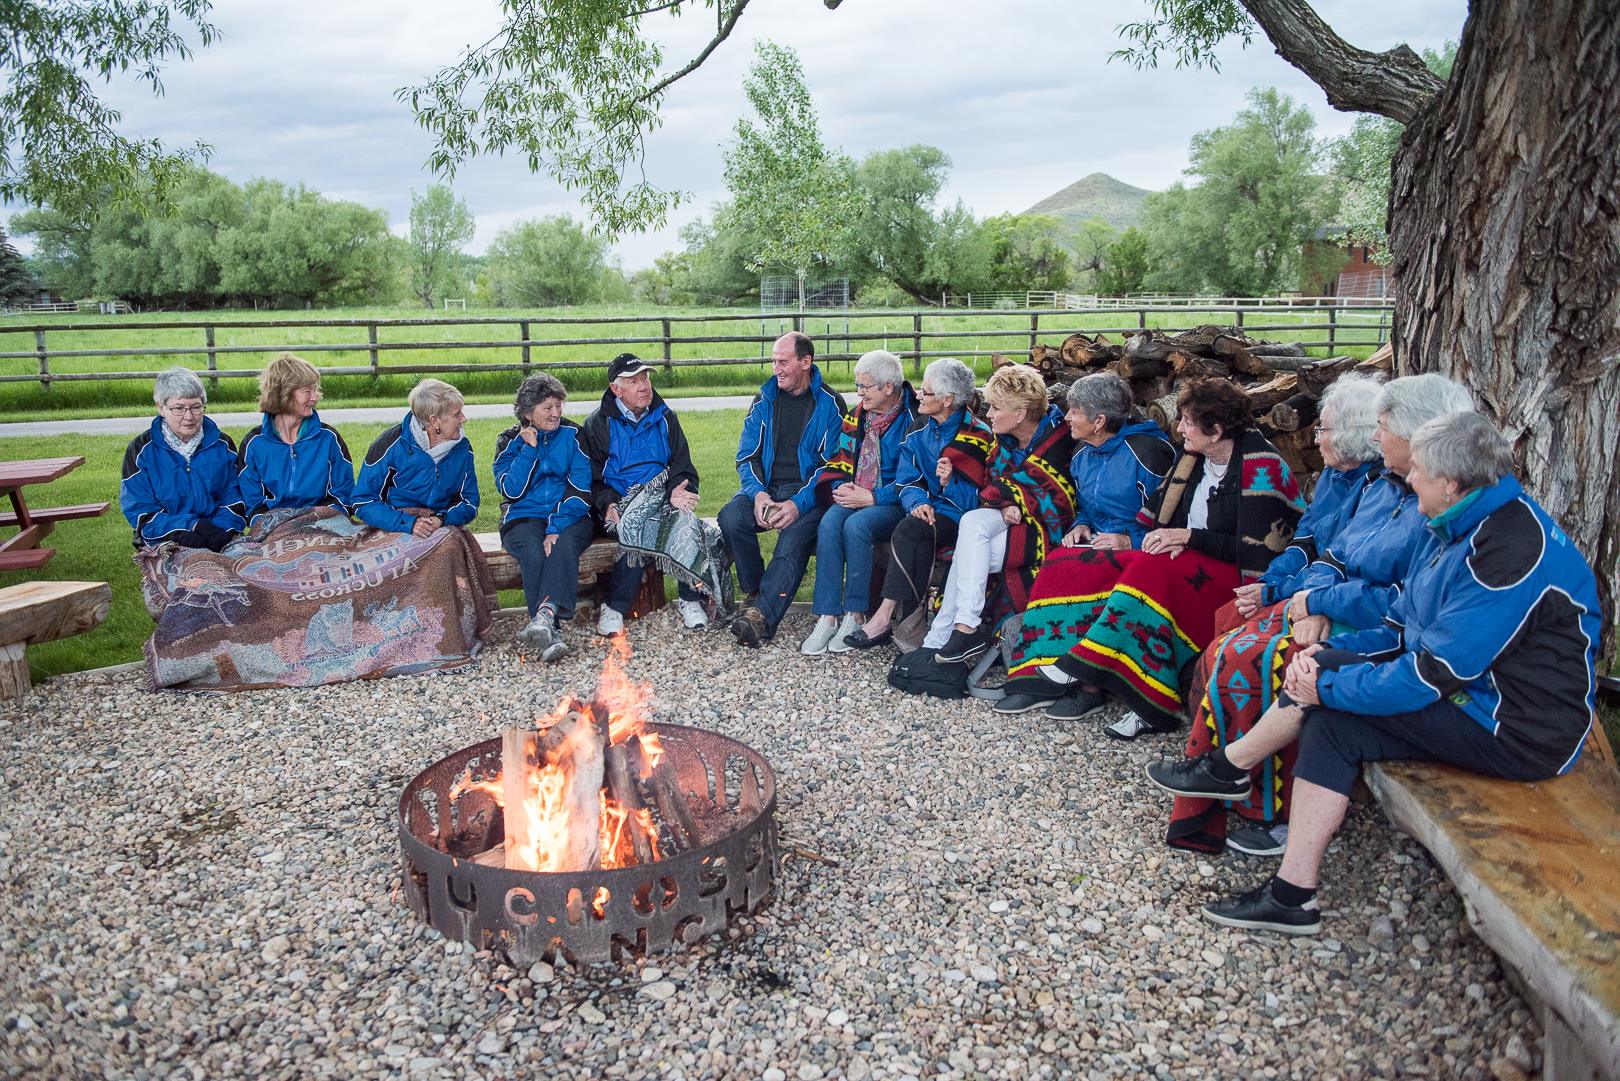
[
  {"x": 309, "y": 597},
  {"x": 676, "y": 542}
]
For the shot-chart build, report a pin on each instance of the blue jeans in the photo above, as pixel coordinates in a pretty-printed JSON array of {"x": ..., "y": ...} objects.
[
  {"x": 845, "y": 546},
  {"x": 777, "y": 583},
  {"x": 625, "y": 579},
  {"x": 552, "y": 579}
]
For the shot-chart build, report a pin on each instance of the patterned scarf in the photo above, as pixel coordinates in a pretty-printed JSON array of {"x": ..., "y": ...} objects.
[
  {"x": 183, "y": 447},
  {"x": 869, "y": 462},
  {"x": 438, "y": 450}
]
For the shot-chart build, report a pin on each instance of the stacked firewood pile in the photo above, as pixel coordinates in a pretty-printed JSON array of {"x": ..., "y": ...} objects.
[{"x": 1283, "y": 382}]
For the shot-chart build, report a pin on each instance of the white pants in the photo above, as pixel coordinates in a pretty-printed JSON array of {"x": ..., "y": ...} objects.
[{"x": 981, "y": 547}]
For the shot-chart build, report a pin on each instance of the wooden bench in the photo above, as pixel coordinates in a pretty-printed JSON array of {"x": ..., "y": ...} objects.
[
  {"x": 1538, "y": 868},
  {"x": 594, "y": 564},
  {"x": 43, "y": 612}
]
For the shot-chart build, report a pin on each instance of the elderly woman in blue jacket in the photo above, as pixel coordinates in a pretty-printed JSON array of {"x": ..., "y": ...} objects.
[
  {"x": 932, "y": 508},
  {"x": 862, "y": 500},
  {"x": 1486, "y": 662},
  {"x": 418, "y": 475},
  {"x": 545, "y": 483},
  {"x": 292, "y": 459},
  {"x": 1118, "y": 462},
  {"x": 179, "y": 477}
]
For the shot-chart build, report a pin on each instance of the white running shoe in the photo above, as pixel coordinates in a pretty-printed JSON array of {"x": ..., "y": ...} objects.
[
  {"x": 609, "y": 621},
  {"x": 1130, "y": 726},
  {"x": 849, "y": 625},
  {"x": 821, "y": 635},
  {"x": 692, "y": 614}
]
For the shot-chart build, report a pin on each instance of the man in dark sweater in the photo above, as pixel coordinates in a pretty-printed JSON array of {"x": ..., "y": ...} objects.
[{"x": 790, "y": 432}]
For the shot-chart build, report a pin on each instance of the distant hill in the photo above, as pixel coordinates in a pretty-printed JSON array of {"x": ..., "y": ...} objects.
[{"x": 1097, "y": 196}]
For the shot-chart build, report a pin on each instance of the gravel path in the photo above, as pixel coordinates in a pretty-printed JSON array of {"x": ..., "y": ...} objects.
[{"x": 207, "y": 888}]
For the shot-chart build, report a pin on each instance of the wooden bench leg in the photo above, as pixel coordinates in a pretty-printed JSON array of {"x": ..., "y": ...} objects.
[{"x": 15, "y": 682}]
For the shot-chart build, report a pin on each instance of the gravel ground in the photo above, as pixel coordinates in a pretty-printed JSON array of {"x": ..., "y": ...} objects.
[{"x": 208, "y": 888}]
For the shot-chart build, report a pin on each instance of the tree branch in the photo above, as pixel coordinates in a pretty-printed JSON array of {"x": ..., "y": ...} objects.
[
  {"x": 1395, "y": 84},
  {"x": 727, "y": 24}
]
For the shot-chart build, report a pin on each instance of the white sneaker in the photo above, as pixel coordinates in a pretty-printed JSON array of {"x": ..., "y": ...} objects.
[
  {"x": 609, "y": 621},
  {"x": 848, "y": 626},
  {"x": 820, "y": 636},
  {"x": 538, "y": 635},
  {"x": 692, "y": 614},
  {"x": 1130, "y": 726}
]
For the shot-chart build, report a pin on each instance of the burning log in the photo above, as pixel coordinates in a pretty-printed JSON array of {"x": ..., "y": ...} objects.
[
  {"x": 550, "y": 784},
  {"x": 623, "y": 791}
]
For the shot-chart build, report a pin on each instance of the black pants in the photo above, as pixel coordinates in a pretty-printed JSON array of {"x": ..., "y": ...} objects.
[
  {"x": 554, "y": 578},
  {"x": 911, "y": 560}
]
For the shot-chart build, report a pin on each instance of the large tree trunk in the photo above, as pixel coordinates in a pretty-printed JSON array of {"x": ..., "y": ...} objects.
[{"x": 1504, "y": 224}]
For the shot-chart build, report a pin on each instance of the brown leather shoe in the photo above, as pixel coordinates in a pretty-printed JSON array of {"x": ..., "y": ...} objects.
[{"x": 750, "y": 628}]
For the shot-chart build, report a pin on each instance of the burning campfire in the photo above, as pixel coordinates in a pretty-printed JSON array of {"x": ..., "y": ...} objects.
[{"x": 592, "y": 833}]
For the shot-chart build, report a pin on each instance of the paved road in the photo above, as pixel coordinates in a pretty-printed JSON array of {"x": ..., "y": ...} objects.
[{"x": 235, "y": 422}]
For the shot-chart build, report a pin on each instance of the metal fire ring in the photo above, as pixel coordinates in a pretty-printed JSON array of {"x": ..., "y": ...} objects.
[{"x": 534, "y": 916}]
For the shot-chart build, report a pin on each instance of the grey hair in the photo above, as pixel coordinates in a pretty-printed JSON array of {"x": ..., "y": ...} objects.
[
  {"x": 433, "y": 398},
  {"x": 1102, "y": 394},
  {"x": 1464, "y": 447},
  {"x": 1409, "y": 402},
  {"x": 881, "y": 365},
  {"x": 951, "y": 379},
  {"x": 534, "y": 390},
  {"x": 1351, "y": 403},
  {"x": 177, "y": 382}
]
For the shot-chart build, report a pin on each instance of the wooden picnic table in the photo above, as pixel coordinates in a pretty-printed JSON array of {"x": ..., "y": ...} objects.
[{"x": 22, "y": 551}]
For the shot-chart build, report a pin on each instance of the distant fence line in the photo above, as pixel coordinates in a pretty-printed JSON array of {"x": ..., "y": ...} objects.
[
  {"x": 1037, "y": 298},
  {"x": 1058, "y": 323}
]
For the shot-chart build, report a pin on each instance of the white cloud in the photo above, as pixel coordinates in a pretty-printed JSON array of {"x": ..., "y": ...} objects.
[{"x": 1022, "y": 96}]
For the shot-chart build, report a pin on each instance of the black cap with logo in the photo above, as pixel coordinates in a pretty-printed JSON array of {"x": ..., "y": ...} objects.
[{"x": 625, "y": 365}]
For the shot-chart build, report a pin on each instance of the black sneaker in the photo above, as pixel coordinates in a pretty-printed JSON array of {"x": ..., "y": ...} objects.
[
  {"x": 963, "y": 648},
  {"x": 1194, "y": 777},
  {"x": 1258, "y": 840},
  {"x": 1258, "y": 910},
  {"x": 1019, "y": 703},
  {"x": 750, "y": 629},
  {"x": 1077, "y": 705}
]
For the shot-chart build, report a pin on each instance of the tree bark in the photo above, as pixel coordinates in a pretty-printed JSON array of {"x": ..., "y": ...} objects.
[{"x": 1504, "y": 227}]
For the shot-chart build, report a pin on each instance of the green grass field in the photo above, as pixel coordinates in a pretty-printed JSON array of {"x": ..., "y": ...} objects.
[
  {"x": 835, "y": 333},
  {"x": 99, "y": 549}
]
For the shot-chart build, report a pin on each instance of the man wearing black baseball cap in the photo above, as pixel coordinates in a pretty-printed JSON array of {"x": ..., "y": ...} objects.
[{"x": 630, "y": 438}]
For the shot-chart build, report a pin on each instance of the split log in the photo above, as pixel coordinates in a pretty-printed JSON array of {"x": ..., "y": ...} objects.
[
  {"x": 1277, "y": 349},
  {"x": 1262, "y": 396},
  {"x": 1292, "y": 415},
  {"x": 1298, "y": 449},
  {"x": 1138, "y": 367},
  {"x": 1148, "y": 344},
  {"x": 1236, "y": 352},
  {"x": 1194, "y": 366},
  {"x": 1078, "y": 351},
  {"x": 1045, "y": 359},
  {"x": 673, "y": 812},
  {"x": 493, "y": 857},
  {"x": 1318, "y": 375},
  {"x": 574, "y": 745},
  {"x": 622, "y": 789},
  {"x": 1382, "y": 360},
  {"x": 1144, "y": 391},
  {"x": 1163, "y": 412},
  {"x": 1000, "y": 360}
]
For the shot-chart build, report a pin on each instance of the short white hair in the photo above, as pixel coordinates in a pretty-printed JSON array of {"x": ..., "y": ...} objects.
[
  {"x": 433, "y": 398},
  {"x": 177, "y": 383},
  {"x": 1411, "y": 401},
  {"x": 1464, "y": 447},
  {"x": 881, "y": 365},
  {"x": 952, "y": 379},
  {"x": 1351, "y": 407}
]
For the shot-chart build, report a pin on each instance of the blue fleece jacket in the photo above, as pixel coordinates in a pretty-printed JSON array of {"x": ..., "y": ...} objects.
[
  {"x": 315, "y": 470},
  {"x": 1115, "y": 478},
  {"x": 550, "y": 480},
  {"x": 163, "y": 494},
  {"x": 1501, "y": 616},
  {"x": 756, "y": 450},
  {"x": 915, "y": 478},
  {"x": 1357, "y": 579},
  {"x": 398, "y": 473},
  {"x": 1338, "y": 494}
]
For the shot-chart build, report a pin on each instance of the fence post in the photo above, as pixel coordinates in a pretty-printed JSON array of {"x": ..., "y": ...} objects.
[
  {"x": 798, "y": 322},
  {"x": 1141, "y": 318},
  {"x": 371, "y": 336},
  {"x": 1239, "y": 324},
  {"x": 916, "y": 344},
  {"x": 1034, "y": 329},
  {"x": 669, "y": 354},
  {"x": 213, "y": 358},
  {"x": 523, "y": 329},
  {"x": 1333, "y": 332},
  {"x": 44, "y": 360}
]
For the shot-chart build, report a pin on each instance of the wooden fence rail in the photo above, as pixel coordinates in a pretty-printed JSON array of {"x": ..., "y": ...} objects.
[{"x": 1025, "y": 328}]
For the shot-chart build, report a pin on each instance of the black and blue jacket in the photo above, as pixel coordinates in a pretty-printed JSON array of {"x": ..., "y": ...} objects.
[
  {"x": 852, "y": 433},
  {"x": 1355, "y": 582},
  {"x": 625, "y": 452},
  {"x": 165, "y": 497},
  {"x": 1115, "y": 479},
  {"x": 398, "y": 473},
  {"x": 915, "y": 477},
  {"x": 315, "y": 470},
  {"x": 550, "y": 481},
  {"x": 756, "y": 450},
  {"x": 1334, "y": 502},
  {"x": 1500, "y": 616}
]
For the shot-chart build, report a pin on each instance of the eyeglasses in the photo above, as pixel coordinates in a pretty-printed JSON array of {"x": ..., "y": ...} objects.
[
  {"x": 926, "y": 393},
  {"x": 186, "y": 410},
  {"x": 1319, "y": 429},
  {"x": 862, "y": 388}
]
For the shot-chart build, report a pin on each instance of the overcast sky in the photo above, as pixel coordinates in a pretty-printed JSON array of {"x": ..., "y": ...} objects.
[{"x": 1019, "y": 93}]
